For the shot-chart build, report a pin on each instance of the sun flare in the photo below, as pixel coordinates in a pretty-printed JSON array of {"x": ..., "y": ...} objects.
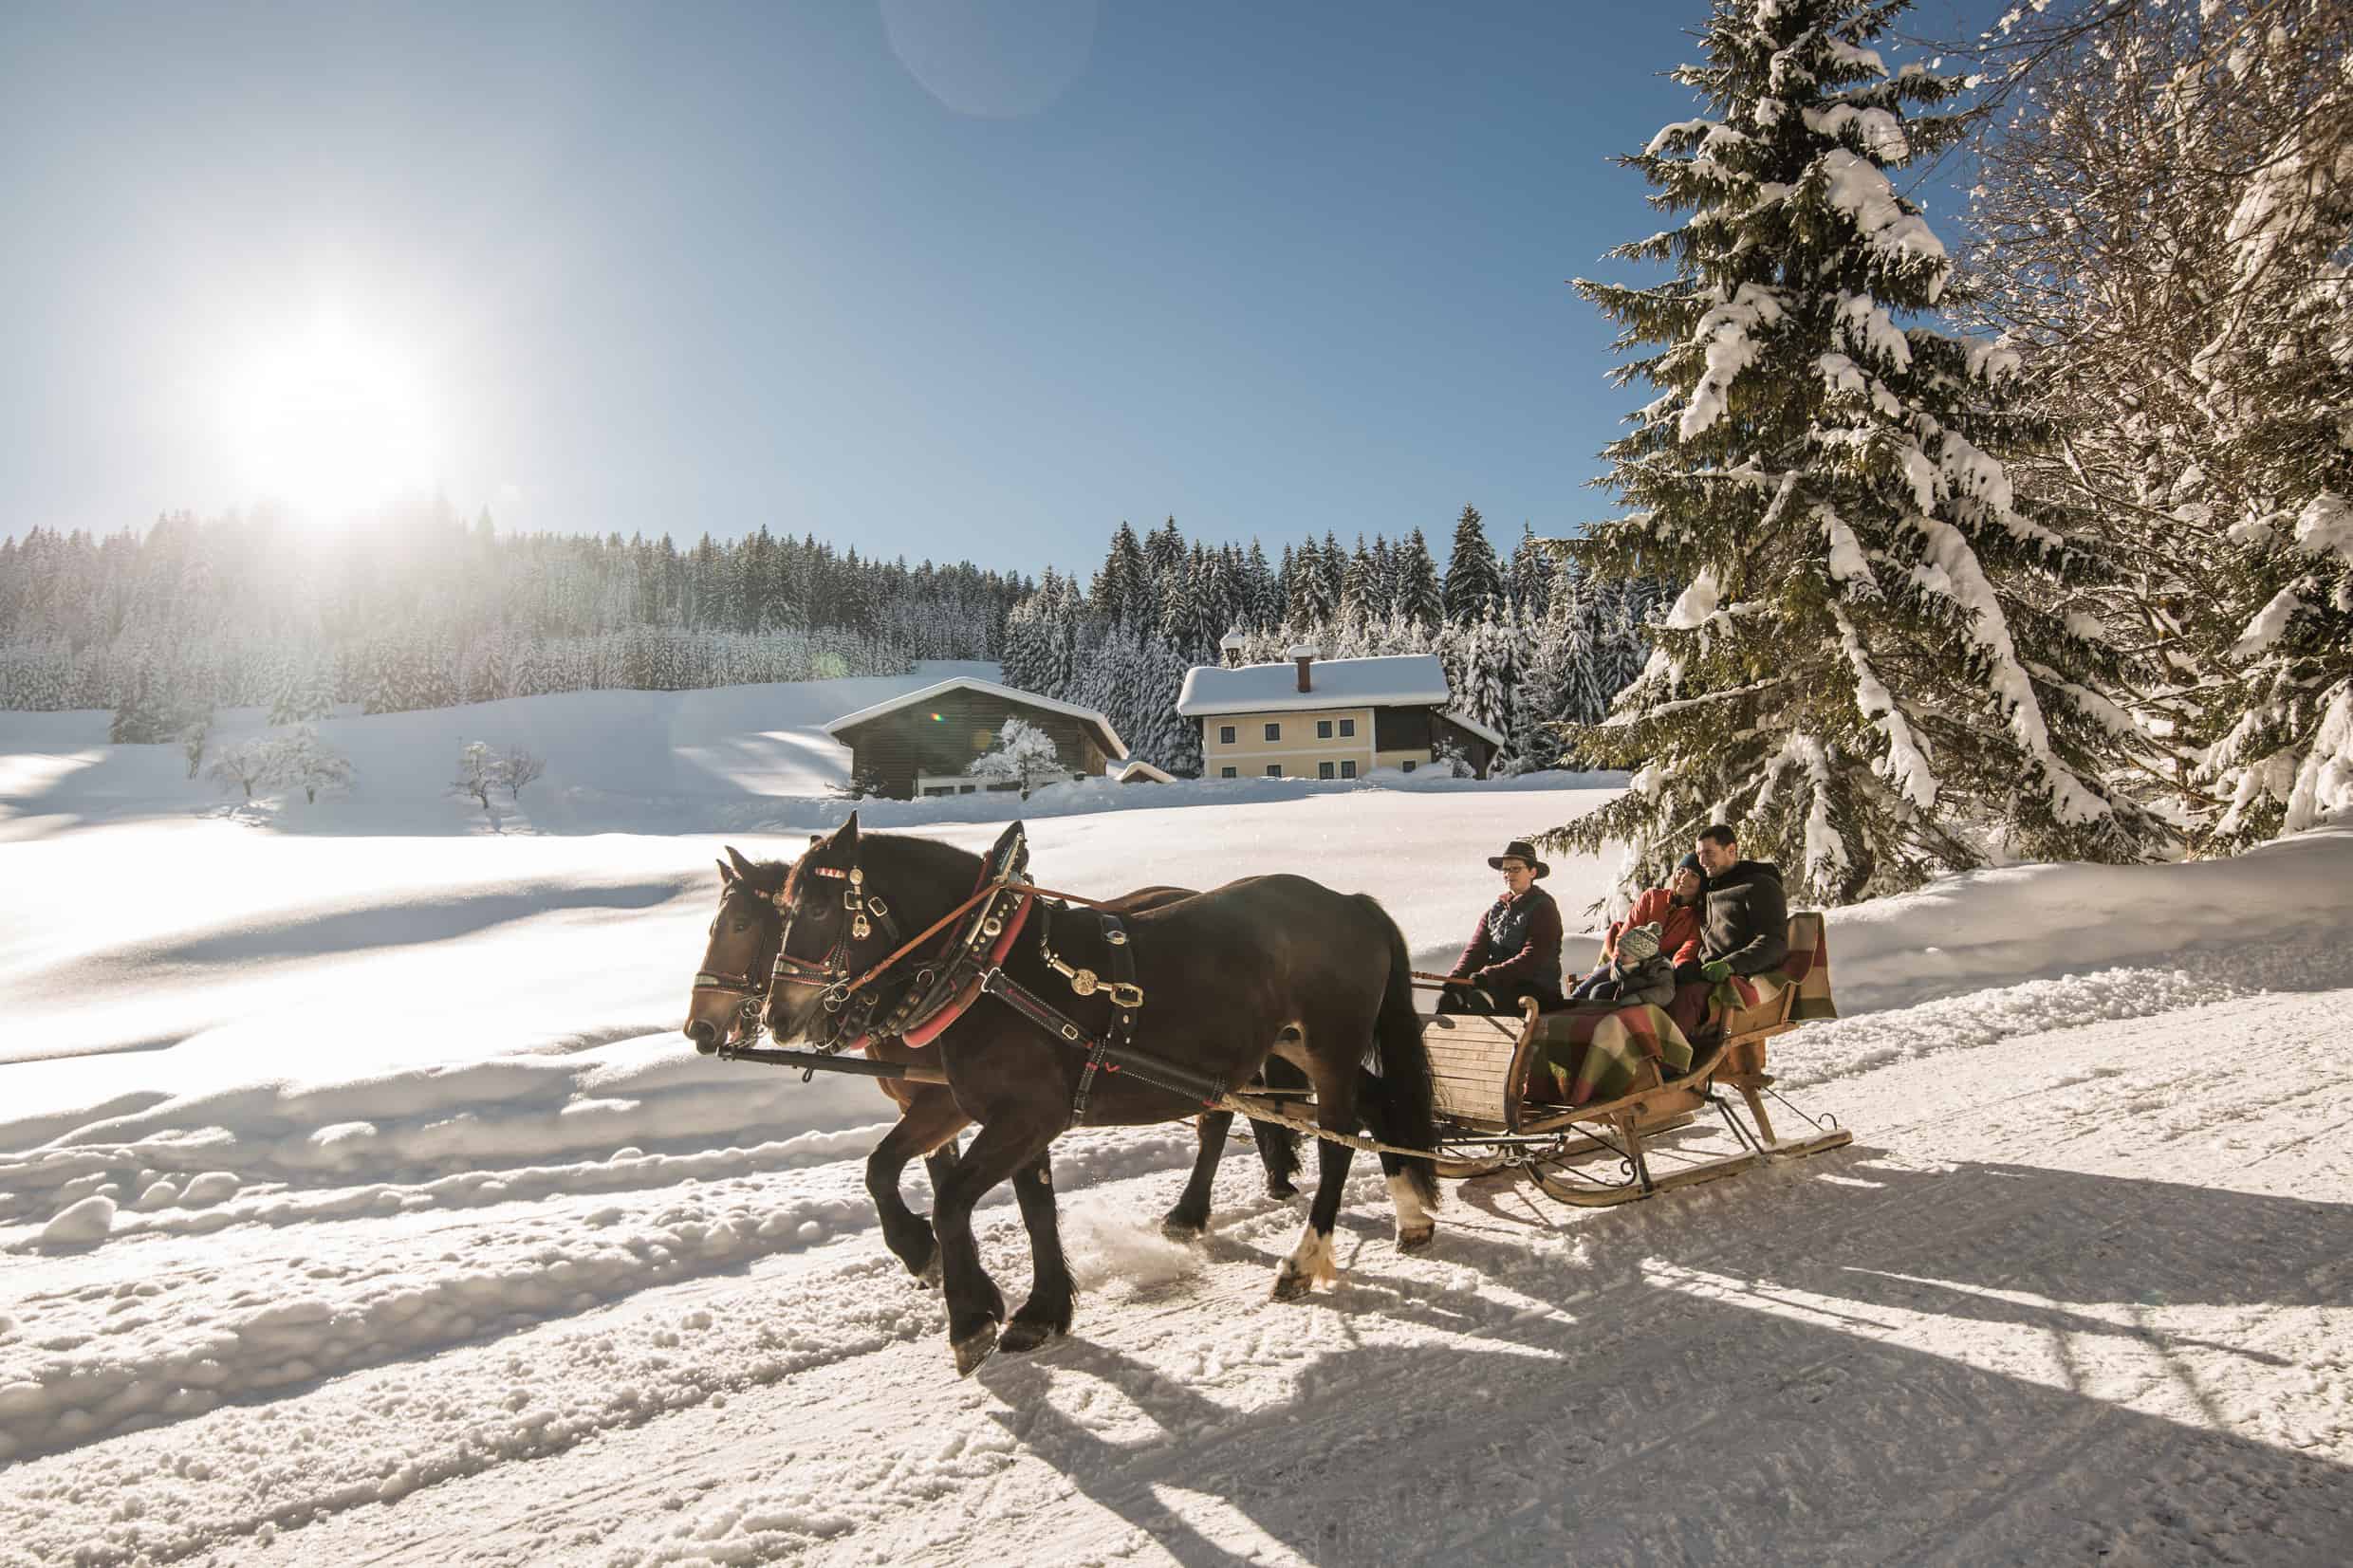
[{"x": 333, "y": 421}]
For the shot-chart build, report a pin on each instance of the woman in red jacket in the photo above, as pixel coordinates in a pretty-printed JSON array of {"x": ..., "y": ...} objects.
[{"x": 1673, "y": 909}]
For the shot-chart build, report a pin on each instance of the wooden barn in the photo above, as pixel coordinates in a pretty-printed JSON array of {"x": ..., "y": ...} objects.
[{"x": 922, "y": 743}]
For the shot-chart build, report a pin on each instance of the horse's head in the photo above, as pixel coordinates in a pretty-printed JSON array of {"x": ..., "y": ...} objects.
[
  {"x": 724, "y": 1006},
  {"x": 849, "y": 905}
]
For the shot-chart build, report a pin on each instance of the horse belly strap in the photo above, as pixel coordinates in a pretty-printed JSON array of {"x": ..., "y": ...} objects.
[{"x": 1125, "y": 1059}]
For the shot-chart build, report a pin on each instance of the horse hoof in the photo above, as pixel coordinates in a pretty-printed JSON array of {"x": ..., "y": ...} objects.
[
  {"x": 1416, "y": 1239},
  {"x": 974, "y": 1348},
  {"x": 1179, "y": 1228},
  {"x": 1020, "y": 1337},
  {"x": 1291, "y": 1285},
  {"x": 1281, "y": 1190}
]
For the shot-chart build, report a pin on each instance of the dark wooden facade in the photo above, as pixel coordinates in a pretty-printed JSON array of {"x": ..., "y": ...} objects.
[
  {"x": 1427, "y": 729},
  {"x": 1476, "y": 750},
  {"x": 942, "y": 734}
]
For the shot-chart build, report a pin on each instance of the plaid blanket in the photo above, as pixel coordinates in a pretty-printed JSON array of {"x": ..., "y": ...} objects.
[
  {"x": 1584, "y": 1053},
  {"x": 1808, "y": 965}
]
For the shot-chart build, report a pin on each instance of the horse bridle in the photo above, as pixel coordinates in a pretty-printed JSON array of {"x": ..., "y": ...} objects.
[
  {"x": 843, "y": 991},
  {"x": 755, "y": 993}
]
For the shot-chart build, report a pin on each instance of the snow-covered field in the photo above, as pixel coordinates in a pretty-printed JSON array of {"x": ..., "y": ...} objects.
[{"x": 358, "y": 1202}]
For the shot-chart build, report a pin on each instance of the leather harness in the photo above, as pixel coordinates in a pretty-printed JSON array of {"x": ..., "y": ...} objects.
[{"x": 970, "y": 965}]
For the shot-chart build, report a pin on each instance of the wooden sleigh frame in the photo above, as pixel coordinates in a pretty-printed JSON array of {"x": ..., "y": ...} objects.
[{"x": 1481, "y": 1067}]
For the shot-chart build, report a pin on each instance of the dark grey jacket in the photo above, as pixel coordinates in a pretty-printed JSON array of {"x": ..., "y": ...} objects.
[
  {"x": 1652, "y": 980},
  {"x": 1746, "y": 918}
]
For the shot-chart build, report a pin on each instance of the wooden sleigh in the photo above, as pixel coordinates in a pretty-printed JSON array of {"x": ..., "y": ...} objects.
[{"x": 1492, "y": 1076}]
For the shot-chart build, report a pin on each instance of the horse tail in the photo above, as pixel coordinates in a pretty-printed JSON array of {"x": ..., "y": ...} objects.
[{"x": 1409, "y": 1102}]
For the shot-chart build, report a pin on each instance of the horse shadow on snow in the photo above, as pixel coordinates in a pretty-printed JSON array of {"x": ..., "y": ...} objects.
[{"x": 1773, "y": 1377}]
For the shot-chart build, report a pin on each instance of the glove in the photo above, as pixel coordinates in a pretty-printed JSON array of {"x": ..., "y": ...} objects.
[{"x": 1717, "y": 970}]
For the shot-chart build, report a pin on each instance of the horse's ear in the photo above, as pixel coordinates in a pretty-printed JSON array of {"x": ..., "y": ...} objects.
[
  {"x": 845, "y": 837},
  {"x": 727, "y": 872},
  {"x": 743, "y": 868}
]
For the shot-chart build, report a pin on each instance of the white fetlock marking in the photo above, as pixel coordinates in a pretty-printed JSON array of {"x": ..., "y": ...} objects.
[
  {"x": 1311, "y": 1259},
  {"x": 1411, "y": 1215}
]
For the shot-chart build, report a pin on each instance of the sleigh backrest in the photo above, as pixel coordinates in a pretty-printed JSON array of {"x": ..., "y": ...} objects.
[{"x": 1478, "y": 1066}]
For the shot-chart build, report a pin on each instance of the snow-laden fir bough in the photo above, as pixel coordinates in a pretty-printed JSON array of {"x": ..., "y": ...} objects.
[{"x": 1872, "y": 668}]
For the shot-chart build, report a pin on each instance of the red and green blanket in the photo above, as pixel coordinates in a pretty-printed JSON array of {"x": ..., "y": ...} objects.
[{"x": 1584, "y": 1053}]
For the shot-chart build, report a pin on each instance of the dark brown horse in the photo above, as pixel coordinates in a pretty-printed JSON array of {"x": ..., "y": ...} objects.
[
  {"x": 724, "y": 1008},
  {"x": 1267, "y": 965}
]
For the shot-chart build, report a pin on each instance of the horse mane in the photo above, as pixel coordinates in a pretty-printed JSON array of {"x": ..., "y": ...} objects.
[{"x": 926, "y": 858}]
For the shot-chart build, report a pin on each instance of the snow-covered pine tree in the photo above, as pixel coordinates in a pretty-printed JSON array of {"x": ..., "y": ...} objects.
[
  {"x": 145, "y": 713},
  {"x": 1531, "y": 574},
  {"x": 1494, "y": 669},
  {"x": 2163, "y": 212},
  {"x": 1259, "y": 583},
  {"x": 1124, "y": 587},
  {"x": 1311, "y": 600},
  {"x": 307, "y": 689},
  {"x": 1548, "y": 681},
  {"x": 1359, "y": 587},
  {"x": 1419, "y": 597},
  {"x": 1473, "y": 574},
  {"x": 1871, "y": 672}
]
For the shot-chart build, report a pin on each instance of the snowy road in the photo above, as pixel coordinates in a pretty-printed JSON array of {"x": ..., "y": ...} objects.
[
  {"x": 2072, "y": 1294},
  {"x": 360, "y": 1203}
]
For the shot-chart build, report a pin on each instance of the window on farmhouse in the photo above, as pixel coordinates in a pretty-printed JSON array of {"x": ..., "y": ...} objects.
[
  {"x": 1323, "y": 730},
  {"x": 1347, "y": 729},
  {"x": 1228, "y": 772},
  {"x": 1323, "y": 770},
  {"x": 1274, "y": 732},
  {"x": 1407, "y": 765},
  {"x": 1347, "y": 770},
  {"x": 1275, "y": 770},
  {"x": 1225, "y": 734}
]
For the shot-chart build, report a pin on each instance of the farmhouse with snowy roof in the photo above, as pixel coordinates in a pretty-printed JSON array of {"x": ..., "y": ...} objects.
[
  {"x": 923, "y": 743},
  {"x": 1318, "y": 718}
]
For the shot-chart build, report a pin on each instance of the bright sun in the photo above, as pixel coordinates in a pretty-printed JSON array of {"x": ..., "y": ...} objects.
[{"x": 334, "y": 421}]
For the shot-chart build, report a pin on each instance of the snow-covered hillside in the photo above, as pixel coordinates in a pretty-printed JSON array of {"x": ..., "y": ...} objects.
[{"x": 345, "y": 1168}]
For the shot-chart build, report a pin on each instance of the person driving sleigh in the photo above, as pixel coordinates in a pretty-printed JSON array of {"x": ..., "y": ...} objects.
[{"x": 1515, "y": 952}]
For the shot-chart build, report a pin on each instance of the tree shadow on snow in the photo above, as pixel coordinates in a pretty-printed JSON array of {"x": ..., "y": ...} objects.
[{"x": 1774, "y": 1376}]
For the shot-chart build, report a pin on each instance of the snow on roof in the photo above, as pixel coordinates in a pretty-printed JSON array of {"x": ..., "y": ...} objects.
[
  {"x": 1461, "y": 720},
  {"x": 1233, "y": 640},
  {"x": 1114, "y": 747},
  {"x": 1399, "y": 680},
  {"x": 1142, "y": 769}
]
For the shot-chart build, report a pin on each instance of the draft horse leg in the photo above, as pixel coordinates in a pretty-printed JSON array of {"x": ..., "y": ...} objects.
[
  {"x": 1047, "y": 1314},
  {"x": 928, "y": 1127},
  {"x": 1276, "y": 1152},
  {"x": 976, "y": 1307},
  {"x": 1415, "y": 1225},
  {"x": 1336, "y": 1111}
]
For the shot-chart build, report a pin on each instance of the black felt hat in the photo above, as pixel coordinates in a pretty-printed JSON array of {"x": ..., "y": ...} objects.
[{"x": 1523, "y": 850}]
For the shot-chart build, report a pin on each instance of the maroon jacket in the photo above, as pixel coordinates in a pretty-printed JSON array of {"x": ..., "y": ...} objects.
[{"x": 1518, "y": 939}]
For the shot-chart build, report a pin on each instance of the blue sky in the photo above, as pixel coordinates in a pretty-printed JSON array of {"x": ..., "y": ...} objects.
[{"x": 909, "y": 280}]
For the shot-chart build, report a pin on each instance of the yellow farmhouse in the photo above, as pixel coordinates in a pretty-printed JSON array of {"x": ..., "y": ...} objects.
[{"x": 1317, "y": 718}]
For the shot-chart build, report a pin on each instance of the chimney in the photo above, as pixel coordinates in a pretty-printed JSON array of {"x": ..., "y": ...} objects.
[
  {"x": 1303, "y": 656},
  {"x": 1230, "y": 649}
]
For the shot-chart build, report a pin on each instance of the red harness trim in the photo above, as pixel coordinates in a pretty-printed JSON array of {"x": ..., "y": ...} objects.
[
  {"x": 931, "y": 1028},
  {"x": 924, "y": 1033}
]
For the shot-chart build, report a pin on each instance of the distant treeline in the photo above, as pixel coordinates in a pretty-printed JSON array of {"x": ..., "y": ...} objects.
[
  {"x": 425, "y": 611},
  {"x": 422, "y": 610}
]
